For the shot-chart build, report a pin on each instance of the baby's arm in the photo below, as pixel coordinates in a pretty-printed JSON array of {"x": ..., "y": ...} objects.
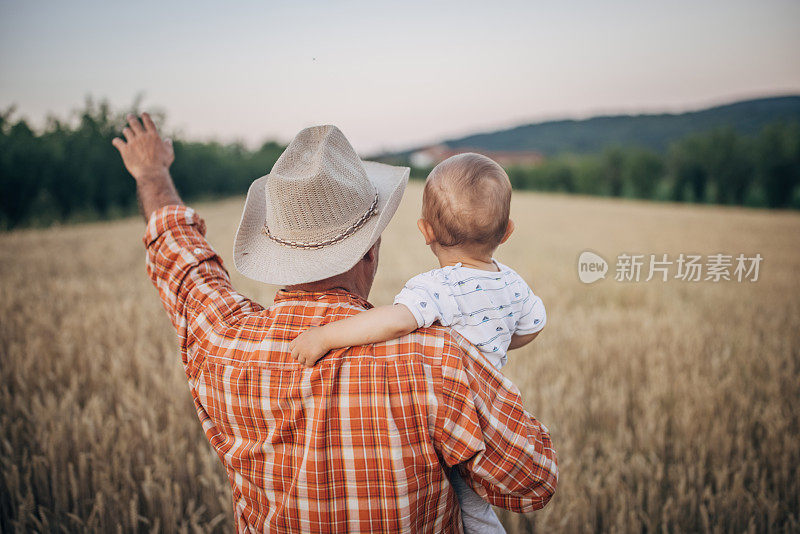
[
  {"x": 372, "y": 326},
  {"x": 520, "y": 340},
  {"x": 531, "y": 323}
]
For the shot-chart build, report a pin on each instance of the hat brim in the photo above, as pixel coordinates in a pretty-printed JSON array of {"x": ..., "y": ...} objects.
[{"x": 258, "y": 257}]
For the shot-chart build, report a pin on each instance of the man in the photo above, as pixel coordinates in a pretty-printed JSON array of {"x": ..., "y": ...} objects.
[{"x": 361, "y": 441}]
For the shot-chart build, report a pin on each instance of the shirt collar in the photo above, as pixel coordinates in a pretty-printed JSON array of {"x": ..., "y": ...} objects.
[{"x": 332, "y": 296}]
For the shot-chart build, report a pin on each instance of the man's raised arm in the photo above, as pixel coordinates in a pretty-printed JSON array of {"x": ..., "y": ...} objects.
[
  {"x": 147, "y": 157},
  {"x": 193, "y": 284}
]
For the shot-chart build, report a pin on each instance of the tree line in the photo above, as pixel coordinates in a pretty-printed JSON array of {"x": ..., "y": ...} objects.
[
  {"x": 718, "y": 166},
  {"x": 69, "y": 171}
]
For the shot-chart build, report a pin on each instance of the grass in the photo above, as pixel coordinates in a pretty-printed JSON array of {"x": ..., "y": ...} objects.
[{"x": 674, "y": 406}]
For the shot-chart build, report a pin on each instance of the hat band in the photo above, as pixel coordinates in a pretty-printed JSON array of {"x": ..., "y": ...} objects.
[{"x": 373, "y": 209}]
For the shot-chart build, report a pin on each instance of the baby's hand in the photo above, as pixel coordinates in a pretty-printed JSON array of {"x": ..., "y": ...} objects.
[{"x": 309, "y": 347}]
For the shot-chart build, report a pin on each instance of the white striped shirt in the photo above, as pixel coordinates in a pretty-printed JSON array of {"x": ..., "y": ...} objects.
[{"x": 485, "y": 307}]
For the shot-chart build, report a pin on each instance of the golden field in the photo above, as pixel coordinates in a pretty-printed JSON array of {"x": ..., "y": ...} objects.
[{"x": 674, "y": 406}]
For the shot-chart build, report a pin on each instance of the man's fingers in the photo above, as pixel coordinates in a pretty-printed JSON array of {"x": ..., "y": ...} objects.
[
  {"x": 118, "y": 143},
  {"x": 136, "y": 126},
  {"x": 149, "y": 125},
  {"x": 128, "y": 133},
  {"x": 170, "y": 149}
]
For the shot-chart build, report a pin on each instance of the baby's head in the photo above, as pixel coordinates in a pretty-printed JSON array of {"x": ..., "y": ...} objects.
[{"x": 466, "y": 205}]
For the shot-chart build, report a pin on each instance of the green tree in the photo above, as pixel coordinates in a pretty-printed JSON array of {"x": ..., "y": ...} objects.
[
  {"x": 612, "y": 163},
  {"x": 728, "y": 162},
  {"x": 778, "y": 162},
  {"x": 642, "y": 170},
  {"x": 21, "y": 169},
  {"x": 685, "y": 163}
]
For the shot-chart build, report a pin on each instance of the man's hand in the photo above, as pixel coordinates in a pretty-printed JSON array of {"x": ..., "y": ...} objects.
[
  {"x": 147, "y": 157},
  {"x": 144, "y": 154},
  {"x": 309, "y": 346}
]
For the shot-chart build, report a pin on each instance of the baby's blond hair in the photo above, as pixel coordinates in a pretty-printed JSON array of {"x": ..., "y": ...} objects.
[{"x": 467, "y": 199}]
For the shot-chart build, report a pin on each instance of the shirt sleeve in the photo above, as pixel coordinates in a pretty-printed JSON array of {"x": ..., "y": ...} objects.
[
  {"x": 533, "y": 316},
  {"x": 194, "y": 286},
  {"x": 429, "y": 301},
  {"x": 503, "y": 453}
]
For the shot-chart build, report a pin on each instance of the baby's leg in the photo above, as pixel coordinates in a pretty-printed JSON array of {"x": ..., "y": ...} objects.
[{"x": 476, "y": 514}]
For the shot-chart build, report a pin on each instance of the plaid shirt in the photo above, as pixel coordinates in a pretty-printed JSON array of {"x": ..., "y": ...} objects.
[{"x": 360, "y": 441}]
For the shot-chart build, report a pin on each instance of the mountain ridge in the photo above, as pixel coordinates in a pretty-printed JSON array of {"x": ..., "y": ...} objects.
[{"x": 649, "y": 130}]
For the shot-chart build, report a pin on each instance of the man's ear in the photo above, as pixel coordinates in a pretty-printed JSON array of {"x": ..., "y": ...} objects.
[
  {"x": 426, "y": 230},
  {"x": 372, "y": 253},
  {"x": 509, "y": 231}
]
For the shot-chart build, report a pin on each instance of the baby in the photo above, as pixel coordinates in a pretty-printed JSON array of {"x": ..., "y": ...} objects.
[{"x": 465, "y": 217}]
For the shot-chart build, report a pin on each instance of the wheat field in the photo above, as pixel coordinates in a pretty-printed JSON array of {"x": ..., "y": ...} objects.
[{"x": 674, "y": 406}]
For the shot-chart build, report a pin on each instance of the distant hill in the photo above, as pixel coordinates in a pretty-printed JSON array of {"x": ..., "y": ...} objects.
[{"x": 655, "y": 131}]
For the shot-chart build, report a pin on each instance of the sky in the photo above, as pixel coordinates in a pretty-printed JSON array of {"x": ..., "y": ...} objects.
[{"x": 391, "y": 75}]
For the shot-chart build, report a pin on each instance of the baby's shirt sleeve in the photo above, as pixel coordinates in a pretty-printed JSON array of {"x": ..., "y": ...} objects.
[
  {"x": 532, "y": 315},
  {"x": 429, "y": 300}
]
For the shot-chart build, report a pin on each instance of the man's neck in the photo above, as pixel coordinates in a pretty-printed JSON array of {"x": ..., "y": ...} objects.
[
  {"x": 357, "y": 281},
  {"x": 323, "y": 286}
]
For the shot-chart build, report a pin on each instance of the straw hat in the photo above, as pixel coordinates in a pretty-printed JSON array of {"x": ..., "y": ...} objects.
[{"x": 317, "y": 212}]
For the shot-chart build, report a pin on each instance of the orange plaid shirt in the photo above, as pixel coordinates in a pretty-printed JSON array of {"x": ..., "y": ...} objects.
[{"x": 360, "y": 441}]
